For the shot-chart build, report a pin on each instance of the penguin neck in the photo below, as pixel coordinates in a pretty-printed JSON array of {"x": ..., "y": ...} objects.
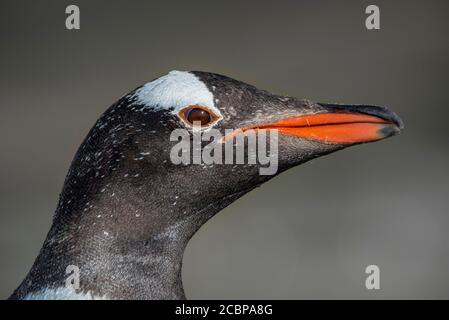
[
  {"x": 123, "y": 223},
  {"x": 122, "y": 242}
]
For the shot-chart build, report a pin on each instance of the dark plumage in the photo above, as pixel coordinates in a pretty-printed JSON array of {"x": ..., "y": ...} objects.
[{"x": 126, "y": 212}]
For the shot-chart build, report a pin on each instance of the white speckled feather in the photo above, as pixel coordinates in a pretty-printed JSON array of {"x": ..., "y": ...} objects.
[{"x": 61, "y": 293}]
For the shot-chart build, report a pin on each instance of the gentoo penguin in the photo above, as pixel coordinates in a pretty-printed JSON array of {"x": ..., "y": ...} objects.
[{"x": 127, "y": 211}]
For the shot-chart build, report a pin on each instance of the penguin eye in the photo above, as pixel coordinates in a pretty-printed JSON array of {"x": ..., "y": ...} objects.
[{"x": 196, "y": 113}]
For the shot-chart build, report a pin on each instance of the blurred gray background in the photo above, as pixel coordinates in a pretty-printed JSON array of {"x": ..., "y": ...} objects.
[{"x": 308, "y": 233}]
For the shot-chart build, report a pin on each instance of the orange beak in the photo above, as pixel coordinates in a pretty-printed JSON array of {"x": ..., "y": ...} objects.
[{"x": 335, "y": 127}]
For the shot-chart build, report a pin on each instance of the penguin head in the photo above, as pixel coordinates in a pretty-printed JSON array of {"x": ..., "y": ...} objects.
[
  {"x": 204, "y": 102},
  {"x": 133, "y": 144}
]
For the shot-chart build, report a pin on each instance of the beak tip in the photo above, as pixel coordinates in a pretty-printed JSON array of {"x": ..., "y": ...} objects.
[
  {"x": 396, "y": 120},
  {"x": 390, "y": 130}
]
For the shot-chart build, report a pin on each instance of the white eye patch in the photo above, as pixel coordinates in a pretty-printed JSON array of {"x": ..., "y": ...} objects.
[{"x": 177, "y": 90}]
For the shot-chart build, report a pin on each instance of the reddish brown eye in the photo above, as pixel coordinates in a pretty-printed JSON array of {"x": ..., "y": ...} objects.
[{"x": 199, "y": 115}]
